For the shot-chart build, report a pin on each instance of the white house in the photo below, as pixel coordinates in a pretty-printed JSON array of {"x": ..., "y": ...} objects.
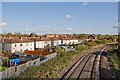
[
  {"x": 69, "y": 41},
  {"x": 75, "y": 41},
  {"x": 65, "y": 41},
  {"x": 13, "y": 45},
  {"x": 47, "y": 42},
  {"x": 42, "y": 43},
  {"x": 39, "y": 44},
  {"x": 56, "y": 42}
]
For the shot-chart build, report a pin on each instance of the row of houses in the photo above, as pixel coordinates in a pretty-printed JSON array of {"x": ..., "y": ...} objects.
[
  {"x": 14, "y": 45},
  {"x": 20, "y": 44}
]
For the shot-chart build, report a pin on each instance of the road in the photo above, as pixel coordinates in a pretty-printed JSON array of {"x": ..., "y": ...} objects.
[{"x": 93, "y": 65}]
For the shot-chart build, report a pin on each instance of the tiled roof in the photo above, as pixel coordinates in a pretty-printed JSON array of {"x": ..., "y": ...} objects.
[
  {"x": 16, "y": 40},
  {"x": 23, "y": 40},
  {"x": 43, "y": 39}
]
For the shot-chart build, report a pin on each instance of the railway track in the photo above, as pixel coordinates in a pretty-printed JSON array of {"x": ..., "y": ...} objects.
[
  {"x": 105, "y": 67},
  {"x": 87, "y": 67}
]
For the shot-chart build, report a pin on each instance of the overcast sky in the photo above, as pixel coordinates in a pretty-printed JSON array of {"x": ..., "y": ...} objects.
[{"x": 60, "y": 17}]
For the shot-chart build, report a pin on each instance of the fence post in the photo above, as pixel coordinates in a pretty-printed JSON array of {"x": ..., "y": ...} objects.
[{"x": 15, "y": 67}]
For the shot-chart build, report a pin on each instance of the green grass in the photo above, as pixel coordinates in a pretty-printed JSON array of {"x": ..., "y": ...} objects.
[
  {"x": 116, "y": 62},
  {"x": 2, "y": 68},
  {"x": 52, "y": 68}
]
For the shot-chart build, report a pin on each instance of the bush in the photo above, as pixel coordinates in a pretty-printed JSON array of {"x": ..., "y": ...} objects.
[
  {"x": 82, "y": 47},
  {"x": 100, "y": 41},
  {"x": 116, "y": 61},
  {"x": 91, "y": 43},
  {"x": 1, "y": 63},
  {"x": 59, "y": 50}
]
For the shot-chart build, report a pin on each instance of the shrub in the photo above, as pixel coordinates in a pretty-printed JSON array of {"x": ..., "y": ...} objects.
[{"x": 100, "y": 41}]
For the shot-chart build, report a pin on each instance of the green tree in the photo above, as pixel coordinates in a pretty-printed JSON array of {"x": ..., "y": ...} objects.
[
  {"x": 91, "y": 43},
  {"x": 33, "y": 34},
  {"x": 82, "y": 35},
  {"x": 58, "y": 50},
  {"x": 9, "y": 34},
  {"x": 100, "y": 41}
]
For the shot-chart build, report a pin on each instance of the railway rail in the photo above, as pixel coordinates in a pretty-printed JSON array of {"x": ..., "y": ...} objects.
[{"x": 87, "y": 67}]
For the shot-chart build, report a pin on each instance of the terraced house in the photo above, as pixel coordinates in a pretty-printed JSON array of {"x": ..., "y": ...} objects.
[
  {"x": 41, "y": 43},
  {"x": 56, "y": 41},
  {"x": 20, "y": 44},
  {"x": 69, "y": 41},
  {"x": 13, "y": 45}
]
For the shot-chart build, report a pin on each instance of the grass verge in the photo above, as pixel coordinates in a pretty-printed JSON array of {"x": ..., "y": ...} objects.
[
  {"x": 52, "y": 68},
  {"x": 115, "y": 61},
  {"x": 2, "y": 68}
]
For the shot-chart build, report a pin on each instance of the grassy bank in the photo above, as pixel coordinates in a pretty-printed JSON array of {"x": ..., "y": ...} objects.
[
  {"x": 2, "y": 68},
  {"x": 52, "y": 68},
  {"x": 115, "y": 61}
]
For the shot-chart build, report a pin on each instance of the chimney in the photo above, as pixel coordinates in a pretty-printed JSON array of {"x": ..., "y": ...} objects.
[{"x": 20, "y": 38}]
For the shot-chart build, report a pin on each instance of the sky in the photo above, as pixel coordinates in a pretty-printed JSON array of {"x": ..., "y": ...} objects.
[
  {"x": 60, "y": 17},
  {"x": 60, "y": 0}
]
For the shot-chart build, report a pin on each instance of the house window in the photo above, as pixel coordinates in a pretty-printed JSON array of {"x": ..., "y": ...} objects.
[
  {"x": 20, "y": 44},
  {"x": 15, "y": 45},
  {"x": 26, "y": 44},
  {"x": 31, "y": 44}
]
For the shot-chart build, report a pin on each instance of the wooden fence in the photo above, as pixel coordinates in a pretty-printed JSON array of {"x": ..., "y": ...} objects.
[{"x": 16, "y": 70}]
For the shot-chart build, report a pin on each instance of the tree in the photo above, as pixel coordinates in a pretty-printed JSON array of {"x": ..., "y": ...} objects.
[
  {"x": 58, "y": 50},
  {"x": 91, "y": 43},
  {"x": 82, "y": 35},
  {"x": 33, "y": 34},
  {"x": 9, "y": 34},
  {"x": 100, "y": 41}
]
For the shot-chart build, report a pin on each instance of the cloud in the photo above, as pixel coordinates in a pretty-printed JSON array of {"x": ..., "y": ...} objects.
[
  {"x": 3, "y": 24},
  {"x": 69, "y": 16},
  {"x": 68, "y": 29},
  {"x": 57, "y": 22},
  {"x": 85, "y": 3}
]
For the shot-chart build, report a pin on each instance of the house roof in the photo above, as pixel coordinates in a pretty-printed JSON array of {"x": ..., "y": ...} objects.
[
  {"x": 24, "y": 40},
  {"x": 16, "y": 40},
  {"x": 43, "y": 39},
  {"x": 69, "y": 39}
]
